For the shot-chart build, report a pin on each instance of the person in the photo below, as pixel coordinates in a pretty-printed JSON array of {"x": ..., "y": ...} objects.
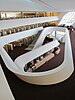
[
  {"x": 55, "y": 49},
  {"x": 28, "y": 66},
  {"x": 25, "y": 68},
  {"x": 71, "y": 29}
]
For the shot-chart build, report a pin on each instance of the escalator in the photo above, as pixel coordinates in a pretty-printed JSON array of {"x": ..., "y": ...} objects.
[{"x": 31, "y": 46}]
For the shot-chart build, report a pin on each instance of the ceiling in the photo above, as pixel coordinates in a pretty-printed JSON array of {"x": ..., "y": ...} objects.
[{"x": 37, "y": 5}]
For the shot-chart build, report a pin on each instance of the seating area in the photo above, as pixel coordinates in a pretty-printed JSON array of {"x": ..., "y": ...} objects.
[{"x": 36, "y": 63}]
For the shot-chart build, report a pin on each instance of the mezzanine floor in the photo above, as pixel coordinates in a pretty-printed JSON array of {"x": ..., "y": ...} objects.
[{"x": 22, "y": 90}]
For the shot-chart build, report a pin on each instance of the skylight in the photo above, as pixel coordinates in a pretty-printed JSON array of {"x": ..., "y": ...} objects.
[{"x": 68, "y": 19}]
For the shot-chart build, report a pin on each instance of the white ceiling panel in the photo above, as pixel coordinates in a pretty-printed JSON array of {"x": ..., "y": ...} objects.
[
  {"x": 23, "y": 5},
  {"x": 37, "y": 5},
  {"x": 60, "y": 5}
]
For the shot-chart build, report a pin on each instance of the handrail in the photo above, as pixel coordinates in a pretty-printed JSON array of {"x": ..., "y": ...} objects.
[
  {"x": 5, "y": 24},
  {"x": 53, "y": 76}
]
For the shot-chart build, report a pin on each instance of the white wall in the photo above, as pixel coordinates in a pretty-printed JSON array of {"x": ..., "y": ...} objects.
[
  {"x": 22, "y": 5},
  {"x": 37, "y": 5},
  {"x": 5, "y": 92}
]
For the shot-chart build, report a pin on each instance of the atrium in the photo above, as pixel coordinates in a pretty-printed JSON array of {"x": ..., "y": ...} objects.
[{"x": 37, "y": 50}]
